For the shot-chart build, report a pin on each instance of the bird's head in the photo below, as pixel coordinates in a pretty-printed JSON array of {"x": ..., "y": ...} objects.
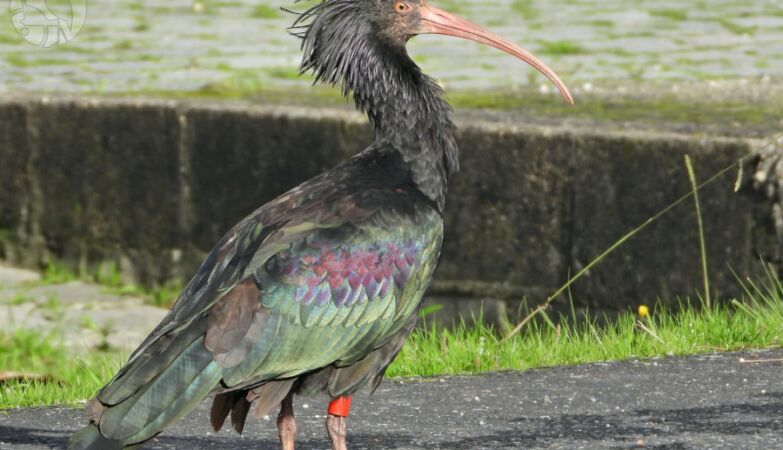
[{"x": 335, "y": 34}]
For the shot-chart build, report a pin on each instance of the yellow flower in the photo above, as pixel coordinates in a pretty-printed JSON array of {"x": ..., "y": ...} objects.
[{"x": 643, "y": 311}]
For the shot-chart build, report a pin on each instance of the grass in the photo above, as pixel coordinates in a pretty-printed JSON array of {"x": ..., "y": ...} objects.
[
  {"x": 55, "y": 273},
  {"x": 557, "y": 48},
  {"x": 677, "y": 15},
  {"x": 602, "y": 23},
  {"x": 17, "y": 60},
  {"x": 700, "y": 222},
  {"x": 284, "y": 73},
  {"x": 666, "y": 108},
  {"x": 691, "y": 329},
  {"x": 9, "y": 38},
  {"x": 73, "y": 379},
  {"x": 110, "y": 278},
  {"x": 525, "y": 9},
  {"x": 736, "y": 28},
  {"x": 687, "y": 329},
  {"x": 265, "y": 12}
]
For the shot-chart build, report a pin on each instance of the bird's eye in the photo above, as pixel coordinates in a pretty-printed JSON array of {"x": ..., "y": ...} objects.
[{"x": 401, "y": 7}]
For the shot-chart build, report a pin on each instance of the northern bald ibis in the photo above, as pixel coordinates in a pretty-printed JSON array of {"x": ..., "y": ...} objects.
[{"x": 316, "y": 291}]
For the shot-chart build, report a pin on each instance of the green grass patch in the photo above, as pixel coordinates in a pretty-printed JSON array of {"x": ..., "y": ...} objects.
[
  {"x": 240, "y": 84},
  {"x": 690, "y": 330},
  {"x": 525, "y": 8},
  {"x": 9, "y": 38},
  {"x": 736, "y": 28},
  {"x": 72, "y": 380},
  {"x": 141, "y": 25},
  {"x": 601, "y": 23},
  {"x": 110, "y": 278},
  {"x": 762, "y": 116},
  {"x": 677, "y": 15},
  {"x": 265, "y": 12},
  {"x": 687, "y": 329},
  {"x": 163, "y": 295},
  {"x": 665, "y": 108},
  {"x": 560, "y": 48},
  {"x": 17, "y": 60},
  {"x": 56, "y": 273},
  {"x": 284, "y": 73}
]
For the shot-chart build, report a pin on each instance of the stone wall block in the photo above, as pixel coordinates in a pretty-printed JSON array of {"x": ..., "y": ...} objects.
[
  {"x": 108, "y": 174},
  {"x": 14, "y": 180}
]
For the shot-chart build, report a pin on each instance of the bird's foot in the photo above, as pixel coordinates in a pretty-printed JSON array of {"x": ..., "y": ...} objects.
[
  {"x": 337, "y": 427},
  {"x": 337, "y": 422},
  {"x": 286, "y": 424}
]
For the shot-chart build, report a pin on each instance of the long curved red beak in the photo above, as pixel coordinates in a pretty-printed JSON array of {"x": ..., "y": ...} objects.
[{"x": 437, "y": 21}]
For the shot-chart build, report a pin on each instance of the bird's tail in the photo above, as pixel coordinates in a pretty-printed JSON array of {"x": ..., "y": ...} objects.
[
  {"x": 149, "y": 394},
  {"x": 90, "y": 438}
]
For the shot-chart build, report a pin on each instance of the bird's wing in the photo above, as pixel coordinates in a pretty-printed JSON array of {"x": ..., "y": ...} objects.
[
  {"x": 328, "y": 298},
  {"x": 274, "y": 300}
]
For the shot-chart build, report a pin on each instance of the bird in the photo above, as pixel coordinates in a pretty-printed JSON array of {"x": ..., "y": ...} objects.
[{"x": 316, "y": 291}]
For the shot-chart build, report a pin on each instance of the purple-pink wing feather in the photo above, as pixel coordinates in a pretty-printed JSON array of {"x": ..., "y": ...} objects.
[{"x": 354, "y": 273}]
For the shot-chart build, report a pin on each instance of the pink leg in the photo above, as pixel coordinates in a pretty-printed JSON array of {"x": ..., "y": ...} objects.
[
  {"x": 286, "y": 424},
  {"x": 337, "y": 422}
]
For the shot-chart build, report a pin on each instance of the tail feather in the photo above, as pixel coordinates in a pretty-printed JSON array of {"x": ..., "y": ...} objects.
[
  {"x": 175, "y": 391},
  {"x": 270, "y": 395},
  {"x": 172, "y": 394},
  {"x": 222, "y": 406},
  {"x": 237, "y": 403},
  {"x": 239, "y": 415},
  {"x": 90, "y": 438},
  {"x": 145, "y": 365},
  {"x": 233, "y": 403}
]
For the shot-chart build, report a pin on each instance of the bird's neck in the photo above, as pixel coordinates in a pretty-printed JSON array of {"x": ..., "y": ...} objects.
[{"x": 409, "y": 116}]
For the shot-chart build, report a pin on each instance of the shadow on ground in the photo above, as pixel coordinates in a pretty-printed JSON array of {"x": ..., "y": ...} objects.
[{"x": 59, "y": 440}]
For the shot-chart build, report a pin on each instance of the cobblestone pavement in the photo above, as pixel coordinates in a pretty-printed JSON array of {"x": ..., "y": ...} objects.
[
  {"x": 85, "y": 315},
  {"x": 144, "y": 46}
]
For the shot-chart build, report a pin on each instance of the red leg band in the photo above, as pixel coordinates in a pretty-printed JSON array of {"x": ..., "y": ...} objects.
[{"x": 340, "y": 406}]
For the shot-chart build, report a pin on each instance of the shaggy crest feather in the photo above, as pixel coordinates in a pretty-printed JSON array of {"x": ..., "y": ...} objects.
[{"x": 342, "y": 45}]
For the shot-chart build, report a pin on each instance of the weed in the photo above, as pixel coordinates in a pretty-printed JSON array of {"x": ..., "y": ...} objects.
[
  {"x": 19, "y": 299},
  {"x": 265, "y": 12},
  {"x": 88, "y": 323},
  {"x": 561, "y": 48},
  {"x": 284, "y": 73},
  {"x": 56, "y": 273},
  {"x": 677, "y": 15},
  {"x": 52, "y": 304},
  {"x": 688, "y": 329},
  {"x": 602, "y": 23},
  {"x": 525, "y": 9},
  {"x": 76, "y": 379},
  {"x": 702, "y": 245},
  {"x": 736, "y": 28}
]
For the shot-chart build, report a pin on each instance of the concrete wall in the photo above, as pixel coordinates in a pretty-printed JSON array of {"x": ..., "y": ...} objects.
[{"x": 153, "y": 184}]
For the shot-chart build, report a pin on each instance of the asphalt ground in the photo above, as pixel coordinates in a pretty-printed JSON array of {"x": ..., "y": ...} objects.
[{"x": 719, "y": 401}]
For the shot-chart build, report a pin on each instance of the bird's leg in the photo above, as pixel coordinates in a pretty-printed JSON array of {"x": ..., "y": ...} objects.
[
  {"x": 337, "y": 422},
  {"x": 286, "y": 424}
]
